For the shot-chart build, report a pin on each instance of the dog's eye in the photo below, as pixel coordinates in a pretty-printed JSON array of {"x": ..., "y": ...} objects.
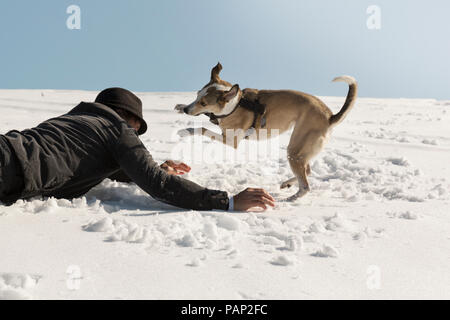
[{"x": 203, "y": 104}]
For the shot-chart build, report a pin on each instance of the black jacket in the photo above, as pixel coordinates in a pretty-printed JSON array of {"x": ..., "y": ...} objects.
[{"x": 66, "y": 156}]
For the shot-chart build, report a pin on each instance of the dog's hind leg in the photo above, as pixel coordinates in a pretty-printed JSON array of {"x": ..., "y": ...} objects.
[
  {"x": 300, "y": 170},
  {"x": 302, "y": 147}
]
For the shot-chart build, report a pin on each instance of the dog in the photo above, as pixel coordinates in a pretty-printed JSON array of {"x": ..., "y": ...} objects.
[{"x": 249, "y": 111}]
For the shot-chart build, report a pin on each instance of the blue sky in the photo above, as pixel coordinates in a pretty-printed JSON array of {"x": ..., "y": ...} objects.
[{"x": 171, "y": 45}]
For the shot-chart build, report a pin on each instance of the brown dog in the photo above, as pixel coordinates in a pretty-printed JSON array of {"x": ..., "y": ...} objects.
[{"x": 249, "y": 111}]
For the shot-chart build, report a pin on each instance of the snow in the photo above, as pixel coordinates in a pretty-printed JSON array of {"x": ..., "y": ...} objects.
[
  {"x": 14, "y": 286},
  {"x": 375, "y": 225},
  {"x": 326, "y": 251}
]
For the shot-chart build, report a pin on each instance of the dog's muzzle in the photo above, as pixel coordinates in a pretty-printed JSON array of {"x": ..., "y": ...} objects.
[{"x": 181, "y": 108}]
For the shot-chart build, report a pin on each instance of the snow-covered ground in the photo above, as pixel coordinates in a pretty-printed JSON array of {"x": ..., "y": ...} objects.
[{"x": 375, "y": 225}]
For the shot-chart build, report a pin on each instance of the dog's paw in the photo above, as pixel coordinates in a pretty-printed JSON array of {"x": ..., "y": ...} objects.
[
  {"x": 285, "y": 185},
  {"x": 289, "y": 183},
  {"x": 180, "y": 108},
  {"x": 185, "y": 132}
]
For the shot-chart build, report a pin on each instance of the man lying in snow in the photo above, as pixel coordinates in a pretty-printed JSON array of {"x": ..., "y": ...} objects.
[{"x": 65, "y": 157}]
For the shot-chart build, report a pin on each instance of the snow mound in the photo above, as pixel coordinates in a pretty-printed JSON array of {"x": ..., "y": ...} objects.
[
  {"x": 399, "y": 161},
  {"x": 282, "y": 260},
  {"x": 15, "y": 286},
  {"x": 196, "y": 262},
  {"x": 228, "y": 222},
  {"x": 216, "y": 233},
  {"x": 407, "y": 215},
  {"x": 339, "y": 222},
  {"x": 119, "y": 230},
  {"x": 186, "y": 230},
  {"x": 326, "y": 252},
  {"x": 54, "y": 206},
  {"x": 362, "y": 178}
]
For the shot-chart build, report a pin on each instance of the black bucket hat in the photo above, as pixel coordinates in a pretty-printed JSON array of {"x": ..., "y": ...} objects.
[{"x": 123, "y": 99}]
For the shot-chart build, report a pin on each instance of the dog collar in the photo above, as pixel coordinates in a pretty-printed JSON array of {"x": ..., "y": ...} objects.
[{"x": 252, "y": 105}]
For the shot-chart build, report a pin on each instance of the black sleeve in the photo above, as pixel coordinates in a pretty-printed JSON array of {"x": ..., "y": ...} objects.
[
  {"x": 137, "y": 163},
  {"x": 120, "y": 176}
]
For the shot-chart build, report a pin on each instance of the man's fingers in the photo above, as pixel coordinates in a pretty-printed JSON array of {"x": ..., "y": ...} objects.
[
  {"x": 254, "y": 189},
  {"x": 178, "y": 166},
  {"x": 264, "y": 194},
  {"x": 183, "y": 167},
  {"x": 180, "y": 170},
  {"x": 265, "y": 200},
  {"x": 260, "y": 192},
  {"x": 268, "y": 201},
  {"x": 257, "y": 195},
  {"x": 172, "y": 171},
  {"x": 268, "y": 195},
  {"x": 262, "y": 199}
]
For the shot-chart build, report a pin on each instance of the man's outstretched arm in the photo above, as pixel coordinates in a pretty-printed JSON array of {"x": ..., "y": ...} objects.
[
  {"x": 120, "y": 176},
  {"x": 169, "y": 166},
  {"x": 249, "y": 198},
  {"x": 137, "y": 163}
]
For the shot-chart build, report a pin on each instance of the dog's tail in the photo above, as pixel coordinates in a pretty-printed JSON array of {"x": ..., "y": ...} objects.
[{"x": 349, "y": 102}]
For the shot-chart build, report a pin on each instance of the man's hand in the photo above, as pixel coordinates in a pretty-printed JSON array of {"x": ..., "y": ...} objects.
[
  {"x": 175, "y": 168},
  {"x": 252, "y": 198}
]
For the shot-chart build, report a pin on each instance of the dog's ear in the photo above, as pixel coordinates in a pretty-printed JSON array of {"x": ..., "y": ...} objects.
[
  {"x": 231, "y": 94},
  {"x": 215, "y": 73}
]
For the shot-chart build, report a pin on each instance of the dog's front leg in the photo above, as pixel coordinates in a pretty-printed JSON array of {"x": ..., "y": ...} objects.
[
  {"x": 229, "y": 137},
  {"x": 232, "y": 137},
  {"x": 199, "y": 131}
]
